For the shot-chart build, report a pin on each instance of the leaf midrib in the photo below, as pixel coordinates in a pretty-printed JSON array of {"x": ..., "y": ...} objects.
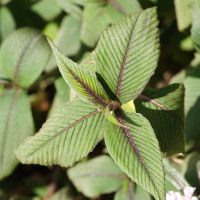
[
  {"x": 22, "y": 56},
  {"x": 142, "y": 96},
  {"x": 86, "y": 87},
  {"x": 137, "y": 151},
  {"x": 117, "y": 6},
  {"x": 7, "y": 123},
  {"x": 125, "y": 57},
  {"x": 68, "y": 127}
]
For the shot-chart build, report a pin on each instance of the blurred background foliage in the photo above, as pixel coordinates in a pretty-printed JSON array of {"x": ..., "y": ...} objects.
[{"x": 31, "y": 86}]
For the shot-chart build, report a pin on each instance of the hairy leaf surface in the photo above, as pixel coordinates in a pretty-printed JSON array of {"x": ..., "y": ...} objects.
[
  {"x": 16, "y": 124},
  {"x": 127, "y": 55},
  {"x": 7, "y": 24},
  {"x": 47, "y": 9},
  {"x": 30, "y": 52},
  {"x": 136, "y": 150},
  {"x": 69, "y": 134},
  {"x": 97, "y": 176},
  {"x": 164, "y": 108},
  {"x": 82, "y": 81}
]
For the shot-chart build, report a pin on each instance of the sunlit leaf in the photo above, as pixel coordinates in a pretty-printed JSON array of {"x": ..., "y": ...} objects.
[
  {"x": 127, "y": 55},
  {"x": 30, "y": 52},
  {"x": 69, "y": 134},
  {"x": 136, "y": 150},
  {"x": 7, "y": 24},
  {"x": 97, "y": 176},
  {"x": 47, "y": 9},
  {"x": 82, "y": 81},
  {"x": 164, "y": 108},
  {"x": 16, "y": 124}
]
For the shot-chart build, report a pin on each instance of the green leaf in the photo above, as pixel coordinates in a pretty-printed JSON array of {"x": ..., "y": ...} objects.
[
  {"x": 189, "y": 170},
  {"x": 7, "y": 24},
  {"x": 47, "y": 9},
  {"x": 136, "y": 151},
  {"x": 95, "y": 20},
  {"x": 51, "y": 30},
  {"x": 192, "y": 102},
  {"x": 72, "y": 9},
  {"x": 136, "y": 193},
  {"x": 174, "y": 177},
  {"x": 89, "y": 62},
  {"x": 97, "y": 176},
  {"x": 62, "y": 89},
  {"x": 69, "y": 134},
  {"x": 116, "y": 9},
  {"x": 183, "y": 14},
  {"x": 195, "y": 31},
  {"x": 164, "y": 108},
  {"x": 70, "y": 33},
  {"x": 83, "y": 82},
  {"x": 16, "y": 125},
  {"x": 28, "y": 57},
  {"x": 63, "y": 194},
  {"x": 127, "y": 55}
]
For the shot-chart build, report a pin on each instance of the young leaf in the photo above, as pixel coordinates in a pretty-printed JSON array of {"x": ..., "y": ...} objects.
[
  {"x": 47, "y": 9},
  {"x": 195, "y": 31},
  {"x": 95, "y": 20},
  {"x": 68, "y": 135},
  {"x": 164, "y": 108},
  {"x": 127, "y": 55},
  {"x": 116, "y": 9},
  {"x": 97, "y": 176},
  {"x": 24, "y": 63},
  {"x": 83, "y": 82},
  {"x": 16, "y": 124},
  {"x": 7, "y": 24},
  {"x": 132, "y": 193},
  {"x": 189, "y": 170},
  {"x": 174, "y": 177},
  {"x": 63, "y": 194},
  {"x": 183, "y": 14},
  {"x": 136, "y": 151},
  {"x": 71, "y": 8}
]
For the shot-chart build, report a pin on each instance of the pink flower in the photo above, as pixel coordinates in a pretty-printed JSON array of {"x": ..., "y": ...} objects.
[{"x": 188, "y": 194}]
